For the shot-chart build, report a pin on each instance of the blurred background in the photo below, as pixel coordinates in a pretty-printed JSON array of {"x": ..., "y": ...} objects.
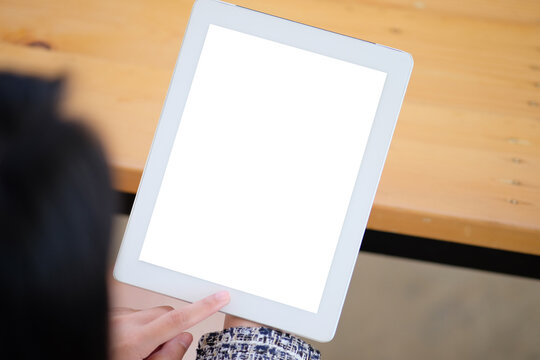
[{"x": 463, "y": 168}]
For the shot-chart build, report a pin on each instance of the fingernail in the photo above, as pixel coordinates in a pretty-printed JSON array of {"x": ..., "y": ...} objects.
[
  {"x": 222, "y": 296},
  {"x": 185, "y": 339}
]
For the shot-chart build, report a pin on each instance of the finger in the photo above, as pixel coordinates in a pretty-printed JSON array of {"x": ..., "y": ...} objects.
[
  {"x": 173, "y": 349},
  {"x": 148, "y": 315},
  {"x": 121, "y": 310},
  {"x": 174, "y": 322}
]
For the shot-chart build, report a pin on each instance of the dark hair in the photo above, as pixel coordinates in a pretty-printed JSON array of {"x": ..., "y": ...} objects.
[{"x": 55, "y": 214}]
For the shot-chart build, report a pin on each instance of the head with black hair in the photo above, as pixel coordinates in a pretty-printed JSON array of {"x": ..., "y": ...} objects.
[{"x": 55, "y": 214}]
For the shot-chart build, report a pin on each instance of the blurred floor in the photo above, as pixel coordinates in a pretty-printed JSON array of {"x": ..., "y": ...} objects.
[{"x": 406, "y": 309}]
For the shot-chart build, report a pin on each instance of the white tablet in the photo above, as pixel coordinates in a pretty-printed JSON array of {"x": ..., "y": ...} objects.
[{"x": 264, "y": 167}]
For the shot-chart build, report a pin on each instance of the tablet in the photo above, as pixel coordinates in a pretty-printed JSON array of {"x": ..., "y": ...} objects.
[{"x": 264, "y": 167}]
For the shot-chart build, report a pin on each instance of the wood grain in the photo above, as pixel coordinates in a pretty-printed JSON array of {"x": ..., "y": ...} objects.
[{"x": 465, "y": 161}]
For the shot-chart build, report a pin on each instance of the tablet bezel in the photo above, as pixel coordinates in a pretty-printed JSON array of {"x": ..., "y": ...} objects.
[{"x": 397, "y": 64}]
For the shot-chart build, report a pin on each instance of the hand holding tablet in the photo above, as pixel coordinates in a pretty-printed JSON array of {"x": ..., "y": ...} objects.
[{"x": 264, "y": 167}]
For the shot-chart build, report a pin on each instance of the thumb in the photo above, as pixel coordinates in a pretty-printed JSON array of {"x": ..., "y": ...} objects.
[{"x": 173, "y": 349}]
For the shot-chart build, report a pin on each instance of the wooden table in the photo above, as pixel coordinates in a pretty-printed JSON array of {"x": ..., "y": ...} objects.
[{"x": 464, "y": 165}]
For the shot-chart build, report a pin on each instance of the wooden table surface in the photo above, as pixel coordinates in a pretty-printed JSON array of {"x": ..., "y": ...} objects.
[{"x": 464, "y": 164}]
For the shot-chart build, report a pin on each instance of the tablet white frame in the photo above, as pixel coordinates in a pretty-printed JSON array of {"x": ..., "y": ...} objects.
[{"x": 398, "y": 66}]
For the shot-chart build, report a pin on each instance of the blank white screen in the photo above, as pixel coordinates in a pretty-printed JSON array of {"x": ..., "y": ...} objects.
[{"x": 263, "y": 167}]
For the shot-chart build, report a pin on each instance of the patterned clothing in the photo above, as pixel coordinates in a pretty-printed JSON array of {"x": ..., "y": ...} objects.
[{"x": 243, "y": 343}]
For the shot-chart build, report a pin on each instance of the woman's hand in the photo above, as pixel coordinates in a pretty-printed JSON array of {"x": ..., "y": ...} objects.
[
  {"x": 158, "y": 333},
  {"x": 233, "y": 321}
]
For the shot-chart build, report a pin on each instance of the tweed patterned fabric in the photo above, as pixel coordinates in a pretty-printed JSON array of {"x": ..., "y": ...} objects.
[{"x": 242, "y": 343}]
